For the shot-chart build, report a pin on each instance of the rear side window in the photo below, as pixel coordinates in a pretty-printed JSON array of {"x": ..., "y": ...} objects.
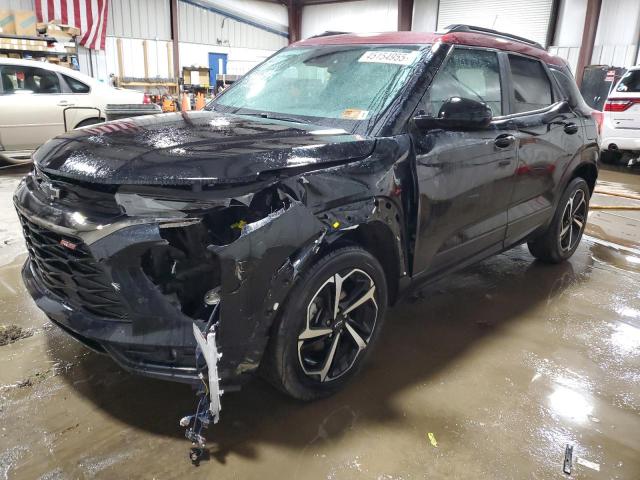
[
  {"x": 19, "y": 79},
  {"x": 76, "y": 86},
  {"x": 568, "y": 87},
  {"x": 530, "y": 83},
  {"x": 467, "y": 73},
  {"x": 630, "y": 82}
]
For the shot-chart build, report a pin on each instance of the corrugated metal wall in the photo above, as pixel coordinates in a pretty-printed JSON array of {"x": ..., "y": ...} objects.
[
  {"x": 360, "y": 16},
  {"x": 17, "y": 4},
  {"x": 617, "y": 36},
  {"x": 149, "y": 19},
  {"x": 199, "y": 25}
]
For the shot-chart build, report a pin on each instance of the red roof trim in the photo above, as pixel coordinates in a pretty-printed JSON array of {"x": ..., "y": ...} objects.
[{"x": 421, "y": 38}]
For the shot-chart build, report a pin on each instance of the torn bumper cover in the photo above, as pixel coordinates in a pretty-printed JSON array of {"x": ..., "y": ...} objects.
[{"x": 133, "y": 286}]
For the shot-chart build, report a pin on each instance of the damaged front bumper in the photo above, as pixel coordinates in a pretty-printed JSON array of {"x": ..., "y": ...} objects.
[{"x": 132, "y": 286}]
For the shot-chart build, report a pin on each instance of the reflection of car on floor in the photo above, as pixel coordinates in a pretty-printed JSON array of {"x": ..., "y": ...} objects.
[
  {"x": 38, "y": 99},
  {"x": 304, "y": 200},
  {"x": 620, "y": 132}
]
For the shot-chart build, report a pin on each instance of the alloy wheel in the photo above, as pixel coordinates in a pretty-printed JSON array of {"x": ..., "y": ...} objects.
[
  {"x": 574, "y": 219},
  {"x": 341, "y": 319}
]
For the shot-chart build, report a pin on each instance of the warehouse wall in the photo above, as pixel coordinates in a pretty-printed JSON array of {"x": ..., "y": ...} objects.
[
  {"x": 360, "y": 16},
  {"x": 239, "y": 60},
  {"x": 263, "y": 12},
  {"x": 199, "y": 25},
  {"x": 139, "y": 19},
  {"x": 616, "y": 38},
  {"x": 425, "y": 15},
  {"x": 201, "y": 32},
  {"x": 618, "y": 33},
  {"x": 17, "y": 4},
  {"x": 569, "y": 28}
]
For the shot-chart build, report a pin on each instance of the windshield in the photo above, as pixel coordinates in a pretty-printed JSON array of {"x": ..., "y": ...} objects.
[
  {"x": 630, "y": 82},
  {"x": 330, "y": 85}
]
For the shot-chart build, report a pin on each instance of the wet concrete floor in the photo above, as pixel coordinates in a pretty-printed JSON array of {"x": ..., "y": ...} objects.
[{"x": 504, "y": 364}]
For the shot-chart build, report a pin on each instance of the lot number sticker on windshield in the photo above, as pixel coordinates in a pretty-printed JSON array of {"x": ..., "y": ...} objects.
[
  {"x": 355, "y": 114},
  {"x": 395, "y": 58}
]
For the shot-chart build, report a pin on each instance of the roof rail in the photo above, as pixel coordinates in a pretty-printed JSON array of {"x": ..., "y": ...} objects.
[
  {"x": 458, "y": 27},
  {"x": 328, "y": 34}
]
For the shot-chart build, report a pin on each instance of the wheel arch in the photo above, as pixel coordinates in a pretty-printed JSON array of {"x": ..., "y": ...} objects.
[
  {"x": 89, "y": 121},
  {"x": 377, "y": 238},
  {"x": 588, "y": 171}
]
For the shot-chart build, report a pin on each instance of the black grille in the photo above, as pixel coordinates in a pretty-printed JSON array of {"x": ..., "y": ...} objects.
[
  {"x": 71, "y": 273},
  {"x": 98, "y": 199}
]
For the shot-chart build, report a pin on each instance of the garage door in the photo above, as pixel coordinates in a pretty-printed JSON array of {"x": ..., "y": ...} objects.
[{"x": 530, "y": 21}]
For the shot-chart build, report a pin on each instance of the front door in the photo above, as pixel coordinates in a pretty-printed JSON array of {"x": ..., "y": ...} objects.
[
  {"x": 31, "y": 106},
  {"x": 217, "y": 66},
  {"x": 549, "y": 134},
  {"x": 464, "y": 178}
]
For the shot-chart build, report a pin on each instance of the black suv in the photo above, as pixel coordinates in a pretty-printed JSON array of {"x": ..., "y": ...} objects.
[{"x": 304, "y": 200}]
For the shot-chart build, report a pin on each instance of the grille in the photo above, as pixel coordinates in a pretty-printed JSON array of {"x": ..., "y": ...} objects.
[
  {"x": 99, "y": 199},
  {"x": 73, "y": 275}
]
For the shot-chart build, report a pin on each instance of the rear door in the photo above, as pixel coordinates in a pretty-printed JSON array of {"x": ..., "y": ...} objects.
[
  {"x": 31, "y": 106},
  {"x": 464, "y": 177},
  {"x": 549, "y": 135}
]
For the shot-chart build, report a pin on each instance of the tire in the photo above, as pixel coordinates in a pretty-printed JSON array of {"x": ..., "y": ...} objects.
[
  {"x": 297, "y": 358},
  {"x": 610, "y": 157},
  {"x": 558, "y": 243},
  {"x": 89, "y": 121}
]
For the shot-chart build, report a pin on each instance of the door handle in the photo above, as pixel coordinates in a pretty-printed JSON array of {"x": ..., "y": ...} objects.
[
  {"x": 64, "y": 103},
  {"x": 570, "y": 128},
  {"x": 504, "y": 141},
  {"x": 504, "y": 163}
]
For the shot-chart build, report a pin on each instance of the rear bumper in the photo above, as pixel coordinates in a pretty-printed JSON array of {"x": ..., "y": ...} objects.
[{"x": 622, "y": 138}]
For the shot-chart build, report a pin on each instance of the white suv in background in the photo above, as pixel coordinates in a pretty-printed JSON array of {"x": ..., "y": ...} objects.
[
  {"x": 621, "y": 123},
  {"x": 40, "y": 100}
]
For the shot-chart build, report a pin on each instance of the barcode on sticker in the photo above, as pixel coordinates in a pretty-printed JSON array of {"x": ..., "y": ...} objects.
[{"x": 395, "y": 58}]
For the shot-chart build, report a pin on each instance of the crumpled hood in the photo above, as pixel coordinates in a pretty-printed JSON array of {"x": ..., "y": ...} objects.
[{"x": 195, "y": 148}]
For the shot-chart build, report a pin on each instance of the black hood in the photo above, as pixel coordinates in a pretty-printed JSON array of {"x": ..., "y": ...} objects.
[{"x": 195, "y": 148}]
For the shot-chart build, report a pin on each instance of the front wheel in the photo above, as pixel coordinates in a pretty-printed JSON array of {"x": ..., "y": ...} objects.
[
  {"x": 562, "y": 237},
  {"x": 329, "y": 325}
]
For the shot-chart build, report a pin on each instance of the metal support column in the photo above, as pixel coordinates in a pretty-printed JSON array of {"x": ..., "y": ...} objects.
[
  {"x": 175, "y": 39},
  {"x": 588, "y": 37},
  {"x": 295, "y": 19},
  {"x": 405, "y": 14}
]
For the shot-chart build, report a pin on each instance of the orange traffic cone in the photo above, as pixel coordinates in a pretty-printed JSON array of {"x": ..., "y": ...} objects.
[
  {"x": 186, "y": 103},
  {"x": 200, "y": 101}
]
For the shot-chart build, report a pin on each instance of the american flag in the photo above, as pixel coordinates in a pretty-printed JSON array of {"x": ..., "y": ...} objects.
[{"x": 90, "y": 16}]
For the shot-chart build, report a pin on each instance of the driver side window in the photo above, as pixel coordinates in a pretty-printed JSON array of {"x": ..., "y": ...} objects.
[{"x": 467, "y": 73}]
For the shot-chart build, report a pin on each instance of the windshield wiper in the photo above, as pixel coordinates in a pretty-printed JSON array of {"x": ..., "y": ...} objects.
[{"x": 270, "y": 116}]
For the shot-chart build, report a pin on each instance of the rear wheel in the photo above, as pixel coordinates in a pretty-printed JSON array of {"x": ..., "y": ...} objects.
[
  {"x": 329, "y": 325},
  {"x": 565, "y": 232}
]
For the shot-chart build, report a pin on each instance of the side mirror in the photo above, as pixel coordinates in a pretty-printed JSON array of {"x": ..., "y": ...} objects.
[{"x": 457, "y": 114}]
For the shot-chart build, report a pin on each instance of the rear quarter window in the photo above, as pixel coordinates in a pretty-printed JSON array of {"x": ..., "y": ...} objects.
[
  {"x": 76, "y": 86},
  {"x": 568, "y": 87},
  {"x": 630, "y": 82}
]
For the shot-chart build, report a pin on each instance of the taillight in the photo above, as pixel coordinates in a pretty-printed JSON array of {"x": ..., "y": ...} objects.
[
  {"x": 598, "y": 117},
  {"x": 619, "y": 104},
  {"x": 146, "y": 98}
]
